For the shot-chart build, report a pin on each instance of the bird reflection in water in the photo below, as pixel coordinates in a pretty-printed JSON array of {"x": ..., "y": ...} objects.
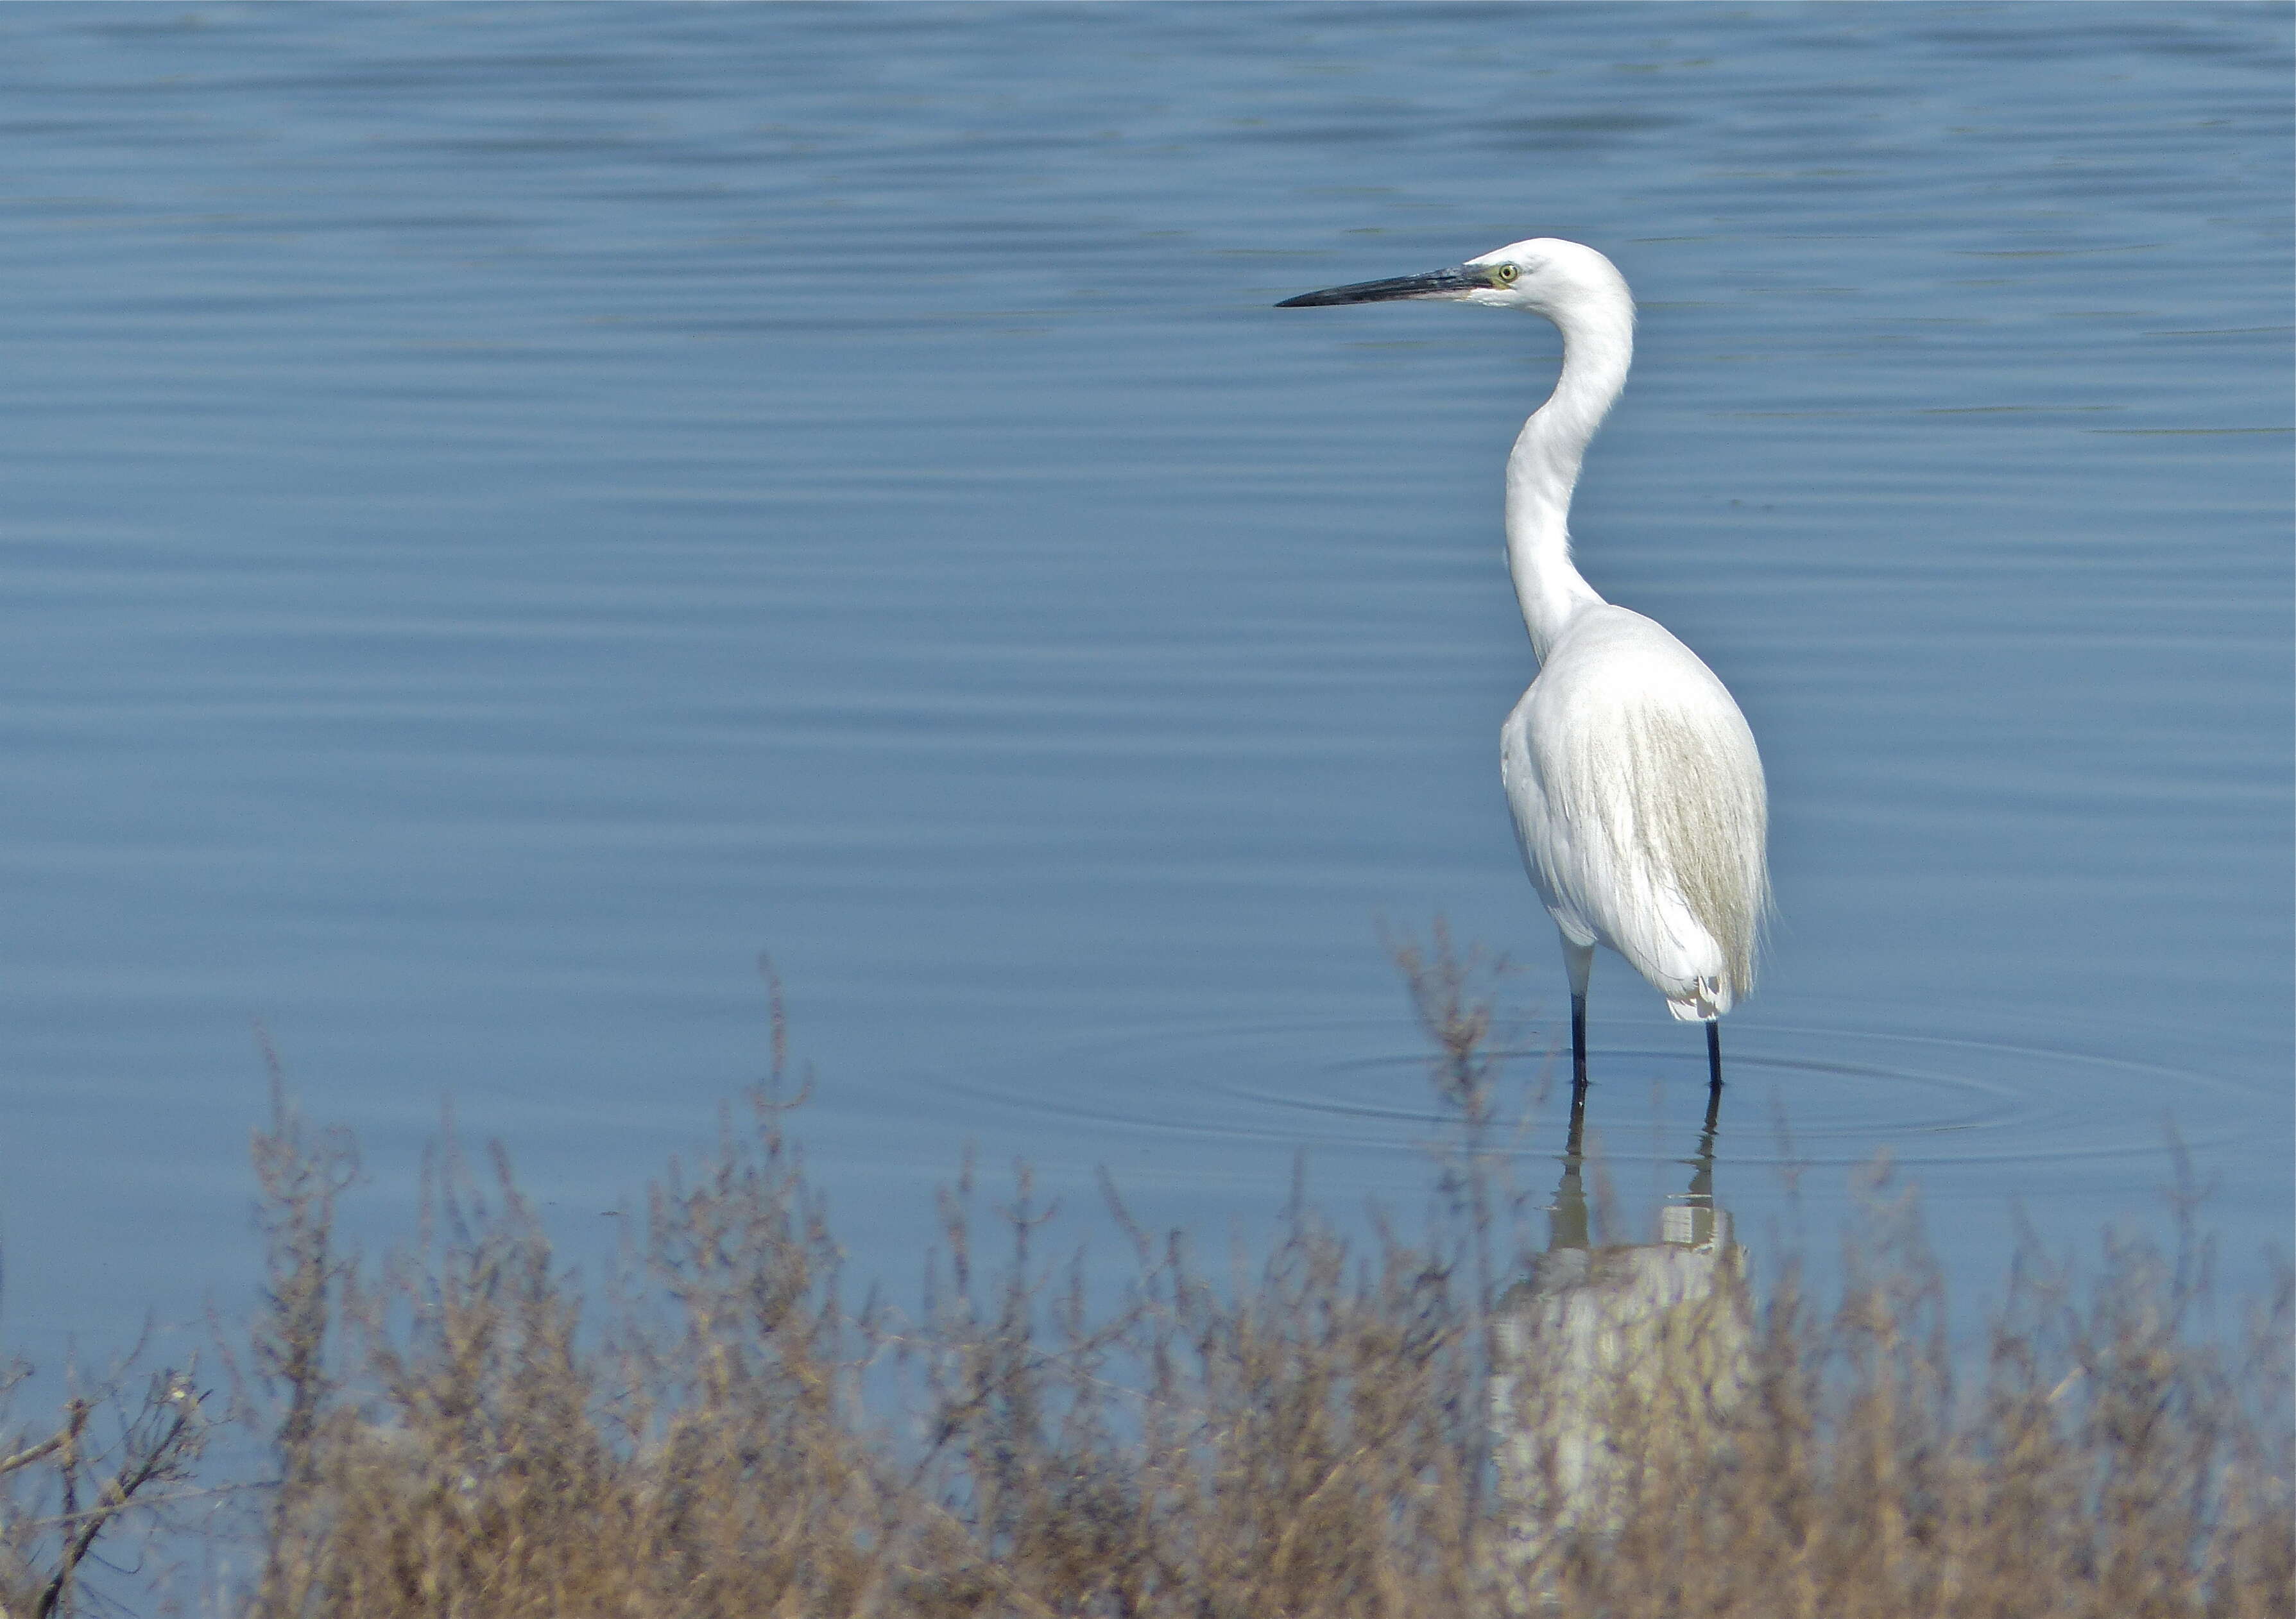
[{"x": 1615, "y": 1368}]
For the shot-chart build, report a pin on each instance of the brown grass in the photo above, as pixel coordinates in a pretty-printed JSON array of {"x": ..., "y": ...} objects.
[{"x": 460, "y": 1432}]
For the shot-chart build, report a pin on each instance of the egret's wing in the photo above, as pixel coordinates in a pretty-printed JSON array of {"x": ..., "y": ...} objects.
[
  {"x": 1565, "y": 874},
  {"x": 1638, "y": 800}
]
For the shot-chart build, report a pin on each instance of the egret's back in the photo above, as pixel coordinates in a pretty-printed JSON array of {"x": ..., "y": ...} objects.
[{"x": 1639, "y": 802}]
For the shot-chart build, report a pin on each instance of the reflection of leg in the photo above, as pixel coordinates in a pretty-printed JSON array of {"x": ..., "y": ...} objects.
[
  {"x": 1579, "y": 1090},
  {"x": 1568, "y": 1226}
]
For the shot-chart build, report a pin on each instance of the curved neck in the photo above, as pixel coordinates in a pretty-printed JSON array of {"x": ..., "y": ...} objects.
[{"x": 1598, "y": 345}]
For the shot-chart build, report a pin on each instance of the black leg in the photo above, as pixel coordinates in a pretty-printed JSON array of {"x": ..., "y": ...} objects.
[
  {"x": 1713, "y": 1067},
  {"x": 1578, "y": 1071}
]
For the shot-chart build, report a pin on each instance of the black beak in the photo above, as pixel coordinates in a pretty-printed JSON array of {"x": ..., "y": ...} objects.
[{"x": 1432, "y": 284}]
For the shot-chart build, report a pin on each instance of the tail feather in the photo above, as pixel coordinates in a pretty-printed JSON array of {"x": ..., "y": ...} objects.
[{"x": 1709, "y": 999}]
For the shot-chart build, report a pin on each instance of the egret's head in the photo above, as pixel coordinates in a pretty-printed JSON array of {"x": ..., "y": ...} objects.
[{"x": 1544, "y": 275}]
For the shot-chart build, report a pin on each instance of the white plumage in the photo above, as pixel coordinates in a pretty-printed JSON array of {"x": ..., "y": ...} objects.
[
  {"x": 1637, "y": 800},
  {"x": 1637, "y": 789}
]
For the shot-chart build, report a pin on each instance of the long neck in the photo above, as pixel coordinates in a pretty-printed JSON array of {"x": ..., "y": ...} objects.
[{"x": 1598, "y": 345}]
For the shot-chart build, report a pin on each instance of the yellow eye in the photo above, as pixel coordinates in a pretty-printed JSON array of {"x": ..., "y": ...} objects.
[{"x": 1503, "y": 274}]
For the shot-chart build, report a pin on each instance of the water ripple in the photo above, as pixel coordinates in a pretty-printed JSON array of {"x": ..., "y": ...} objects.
[{"x": 1797, "y": 1096}]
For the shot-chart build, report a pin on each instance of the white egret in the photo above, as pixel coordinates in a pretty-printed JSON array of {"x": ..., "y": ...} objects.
[{"x": 1638, "y": 792}]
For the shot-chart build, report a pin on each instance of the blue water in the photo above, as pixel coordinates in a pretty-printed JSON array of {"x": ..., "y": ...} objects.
[{"x": 511, "y": 512}]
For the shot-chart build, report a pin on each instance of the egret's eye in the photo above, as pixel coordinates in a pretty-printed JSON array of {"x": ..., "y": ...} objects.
[{"x": 1503, "y": 274}]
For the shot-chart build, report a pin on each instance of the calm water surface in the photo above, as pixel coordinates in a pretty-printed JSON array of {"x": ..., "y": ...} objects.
[{"x": 513, "y": 512}]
